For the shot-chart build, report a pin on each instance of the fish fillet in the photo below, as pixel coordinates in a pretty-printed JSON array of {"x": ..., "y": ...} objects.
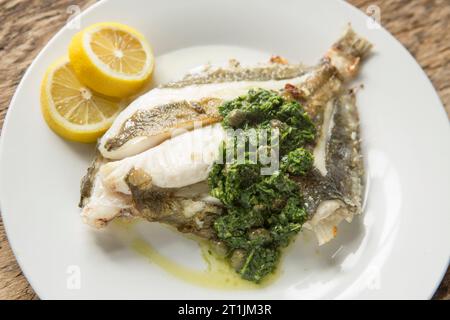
[{"x": 164, "y": 180}]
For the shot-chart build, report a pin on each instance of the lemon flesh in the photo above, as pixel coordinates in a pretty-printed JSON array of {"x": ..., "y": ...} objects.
[
  {"x": 72, "y": 110},
  {"x": 112, "y": 58}
]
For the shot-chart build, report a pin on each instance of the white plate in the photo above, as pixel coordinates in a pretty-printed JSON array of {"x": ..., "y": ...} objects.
[{"x": 399, "y": 247}]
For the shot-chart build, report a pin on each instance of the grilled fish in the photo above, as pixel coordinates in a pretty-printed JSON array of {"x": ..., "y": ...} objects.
[{"x": 164, "y": 181}]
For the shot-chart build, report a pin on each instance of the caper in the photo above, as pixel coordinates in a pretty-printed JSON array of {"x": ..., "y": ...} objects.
[
  {"x": 260, "y": 234},
  {"x": 275, "y": 123},
  {"x": 220, "y": 248},
  {"x": 259, "y": 208},
  {"x": 236, "y": 117},
  {"x": 237, "y": 259}
]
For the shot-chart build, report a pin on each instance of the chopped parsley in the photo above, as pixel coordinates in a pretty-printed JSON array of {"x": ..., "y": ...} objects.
[{"x": 262, "y": 212}]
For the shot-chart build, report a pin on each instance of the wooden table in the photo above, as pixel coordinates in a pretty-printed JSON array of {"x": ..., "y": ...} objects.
[{"x": 421, "y": 25}]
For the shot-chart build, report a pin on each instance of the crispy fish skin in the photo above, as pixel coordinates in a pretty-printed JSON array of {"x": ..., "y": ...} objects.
[
  {"x": 165, "y": 119},
  {"x": 235, "y": 72},
  {"x": 336, "y": 193},
  {"x": 87, "y": 182},
  {"x": 347, "y": 53},
  {"x": 188, "y": 215}
]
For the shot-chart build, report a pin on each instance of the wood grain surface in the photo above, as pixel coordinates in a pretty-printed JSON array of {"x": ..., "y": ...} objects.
[{"x": 421, "y": 25}]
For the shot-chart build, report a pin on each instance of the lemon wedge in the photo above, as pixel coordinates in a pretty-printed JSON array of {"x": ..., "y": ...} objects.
[
  {"x": 111, "y": 58},
  {"x": 72, "y": 110}
]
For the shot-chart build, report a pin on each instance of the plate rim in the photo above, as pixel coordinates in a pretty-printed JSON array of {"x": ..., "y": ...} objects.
[{"x": 101, "y": 3}]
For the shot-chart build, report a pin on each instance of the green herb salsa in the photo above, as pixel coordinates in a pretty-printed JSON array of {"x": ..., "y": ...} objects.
[{"x": 262, "y": 212}]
